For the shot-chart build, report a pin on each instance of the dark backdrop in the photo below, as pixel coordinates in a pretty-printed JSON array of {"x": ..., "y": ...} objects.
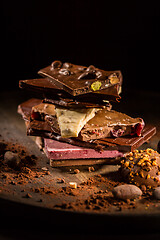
[{"x": 107, "y": 34}]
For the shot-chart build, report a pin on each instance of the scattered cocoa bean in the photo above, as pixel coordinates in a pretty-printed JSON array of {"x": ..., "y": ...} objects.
[
  {"x": 11, "y": 159},
  {"x": 127, "y": 191}
]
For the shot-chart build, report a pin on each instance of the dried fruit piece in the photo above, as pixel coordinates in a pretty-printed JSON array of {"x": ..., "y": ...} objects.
[{"x": 96, "y": 85}]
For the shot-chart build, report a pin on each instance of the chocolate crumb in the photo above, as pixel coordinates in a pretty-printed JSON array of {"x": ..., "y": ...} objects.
[
  {"x": 86, "y": 197},
  {"x": 28, "y": 195},
  {"x": 60, "y": 180},
  {"x": 91, "y": 169},
  {"x": 76, "y": 171}
]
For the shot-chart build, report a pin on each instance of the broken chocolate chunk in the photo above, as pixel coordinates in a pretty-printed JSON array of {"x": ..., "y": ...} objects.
[
  {"x": 74, "y": 83},
  {"x": 43, "y": 129}
]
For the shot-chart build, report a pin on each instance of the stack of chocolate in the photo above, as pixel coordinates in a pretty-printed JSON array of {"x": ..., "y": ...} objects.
[{"x": 74, "y": 115}]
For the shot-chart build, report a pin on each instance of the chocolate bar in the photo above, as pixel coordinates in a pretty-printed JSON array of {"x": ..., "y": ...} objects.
[
  {"x": 61, "y": 151},
  {"x": 69, "y": 103},
  {"x": 39, "y": 111},
  {"x": 70, "y": 121},
  {"x": 83, "y": 162},
  {"x": 45, "y": 86},
  {"x": 124, "y": 144},
  {"x": 58, "y": 96},
  {"x": 77, "y": 80},
  {"x": 110, "y": 123},
  {"x": 98, "y": 123},
  {"x": 75, "y": 119},
  {"x": 40, "y": 128}
]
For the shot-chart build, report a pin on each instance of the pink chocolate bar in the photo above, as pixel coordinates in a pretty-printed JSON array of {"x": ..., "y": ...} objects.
[{"x": 59, "y": 151}]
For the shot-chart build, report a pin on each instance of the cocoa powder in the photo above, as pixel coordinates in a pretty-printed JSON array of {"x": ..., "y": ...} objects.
[
  {"x": 26, "y": 169},
  {"x": 95, "y": 194}
]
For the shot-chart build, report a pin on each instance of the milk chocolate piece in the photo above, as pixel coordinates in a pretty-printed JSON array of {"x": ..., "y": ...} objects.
[
  {"x": 41, "y": 110},
  {"x": 129, "y": 143},
  {"x": 111, "y": 123},
  {"x": 107, "y": 124},
  {"x": 43, "y": 129},
  {"x": 37, "y": 128},
  {"x": 77, "y": 80},
  {"x": 39, "y": 85},
  {"x": 25, "y": 108},
  {"x": 58, "y": 96},
  {"x": 124, "y": 144},
  {"x": 104, "y": 124}
]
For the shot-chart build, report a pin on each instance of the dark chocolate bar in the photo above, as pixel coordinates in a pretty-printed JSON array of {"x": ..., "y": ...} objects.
[
  {"x": 70, "y": 103},
  {"x": 77, "y": 80}
]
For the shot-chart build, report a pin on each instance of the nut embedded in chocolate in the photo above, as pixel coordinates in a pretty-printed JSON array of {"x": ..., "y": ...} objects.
[
  {"x": 67, "y": 65},
  {"x": 56, "y": 64},
  {"x": 91, "y": 68},
  {"x": 99, "y": 74},
  {"x": 113, "y": 78},
  {"x": 76, "y": 72},
  {"x": 64, "y": 71}
]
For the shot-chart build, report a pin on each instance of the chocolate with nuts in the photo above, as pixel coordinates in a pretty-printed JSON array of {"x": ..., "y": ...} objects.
[
  {"x": 56, "y": 95},
  {"x": 142, "y": 167},
  {"x": 77, "y": 80}
]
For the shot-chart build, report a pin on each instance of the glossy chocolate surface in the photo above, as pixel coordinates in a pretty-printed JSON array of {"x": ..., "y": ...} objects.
[
  {"x": 43, "y": 129},
  {"x": 58, "y": 96},
  {"x": 77, "y": 80}
]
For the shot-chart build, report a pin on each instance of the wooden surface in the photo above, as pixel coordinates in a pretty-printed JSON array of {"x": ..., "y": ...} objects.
[{"x": 12, "y": 128}]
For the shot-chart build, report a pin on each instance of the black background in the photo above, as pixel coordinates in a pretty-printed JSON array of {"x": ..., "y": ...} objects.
[{"x": 110, "y": 35}]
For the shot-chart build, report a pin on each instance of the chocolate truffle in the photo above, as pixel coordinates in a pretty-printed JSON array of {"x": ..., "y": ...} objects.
[{"x": 142, "y": 167}]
